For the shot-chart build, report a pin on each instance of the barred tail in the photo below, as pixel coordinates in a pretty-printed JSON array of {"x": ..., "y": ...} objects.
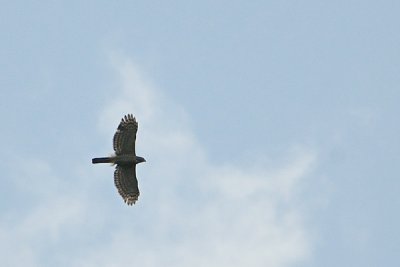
[{"x": 102, "y": 160}]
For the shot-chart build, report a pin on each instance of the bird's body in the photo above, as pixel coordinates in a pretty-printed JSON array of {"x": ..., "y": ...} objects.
[
  {"x": 125, "y": 158},
  {"x": 128, "y": 159}
]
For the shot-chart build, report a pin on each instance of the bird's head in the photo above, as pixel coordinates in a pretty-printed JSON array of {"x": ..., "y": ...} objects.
[{"x": 140, "y": 160}]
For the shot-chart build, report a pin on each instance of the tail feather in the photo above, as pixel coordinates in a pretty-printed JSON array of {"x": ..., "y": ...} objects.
[{"x": 102, "y": 160}]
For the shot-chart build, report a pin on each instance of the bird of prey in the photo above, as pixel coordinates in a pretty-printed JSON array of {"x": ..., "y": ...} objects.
[{"x": 125, "y": 158}]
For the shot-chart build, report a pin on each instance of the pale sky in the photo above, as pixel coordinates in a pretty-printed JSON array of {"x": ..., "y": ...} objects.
[{"x": 270, "y": 130}]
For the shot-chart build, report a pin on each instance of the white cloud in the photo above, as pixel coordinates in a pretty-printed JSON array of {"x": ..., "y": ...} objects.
[
  {"x": 203, "y": 215},
  {"x": 191, "y": 212}
]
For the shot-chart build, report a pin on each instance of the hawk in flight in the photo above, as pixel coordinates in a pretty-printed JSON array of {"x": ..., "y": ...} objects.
[{"x": 125, "y": 159}]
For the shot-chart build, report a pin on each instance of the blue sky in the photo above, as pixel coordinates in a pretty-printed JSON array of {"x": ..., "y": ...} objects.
[{"x": 270, "y": 131}]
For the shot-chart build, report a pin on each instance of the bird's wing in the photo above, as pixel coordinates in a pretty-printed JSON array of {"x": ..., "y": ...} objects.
[
  {"x": 124, "y": 138},
  {"x": 126, "y": 183}
]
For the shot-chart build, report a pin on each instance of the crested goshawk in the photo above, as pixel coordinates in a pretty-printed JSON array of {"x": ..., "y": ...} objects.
[{"x": 125, "y": 158}]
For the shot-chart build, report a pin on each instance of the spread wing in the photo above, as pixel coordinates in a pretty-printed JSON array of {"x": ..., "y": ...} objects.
[
  {"x": 124, "y": 138},
  {"x": 126, "y": 183}
]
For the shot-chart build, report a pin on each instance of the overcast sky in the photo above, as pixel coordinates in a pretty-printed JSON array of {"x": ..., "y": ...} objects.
[{"x": 270, "y": 130}]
